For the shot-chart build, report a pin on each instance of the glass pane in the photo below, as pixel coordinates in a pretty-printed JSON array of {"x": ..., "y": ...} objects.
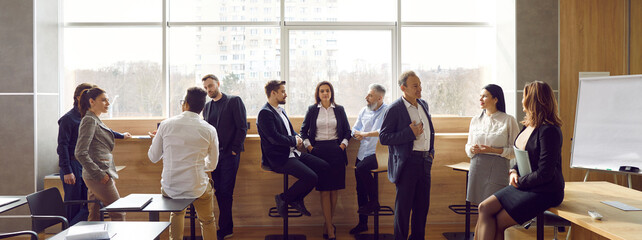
[
  {"x": 243, "y": 58},
  {"x": 448, "y": 11},
  {"x": 340, "y": 10},
  {"x": 344, "y": 58},
  {"x": 224, "y": 10},
  {"x": 452, "y": 67},
  {"x": 112, "y": 11},
  {"x": 125, "y": 62}
]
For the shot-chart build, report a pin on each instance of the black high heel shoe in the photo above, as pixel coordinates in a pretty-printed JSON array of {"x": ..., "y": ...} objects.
[
  {"x": 335, "y": 233},
  {"x": 325, "y": 235}
]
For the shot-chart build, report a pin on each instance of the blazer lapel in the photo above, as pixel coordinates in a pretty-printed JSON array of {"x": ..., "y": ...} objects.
[
  {"x": 281, "y": 126},
  {"x": 405, "y": 116}
]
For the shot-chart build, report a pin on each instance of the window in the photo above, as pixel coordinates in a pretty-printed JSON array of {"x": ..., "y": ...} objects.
[
  {"x": 229, "y": 66},
  {"x": 344, "y": 10},
  {"x": 460, "y": 64},
  {"x": 187, "y": 10},
  {"x": 455, "y": 46},
  {"x": 351, "y": 70},
  {"x": 128, "y": 69}
]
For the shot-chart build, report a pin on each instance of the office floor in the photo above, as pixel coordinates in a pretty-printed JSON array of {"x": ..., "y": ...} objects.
[{"x": 434, "y": 231}]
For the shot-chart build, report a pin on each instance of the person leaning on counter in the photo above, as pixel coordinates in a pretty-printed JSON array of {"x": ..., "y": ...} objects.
[{"x": 93, "y": 151}]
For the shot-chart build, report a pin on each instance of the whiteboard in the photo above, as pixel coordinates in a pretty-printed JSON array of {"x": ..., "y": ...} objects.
[{"x": 608, "y": 123}]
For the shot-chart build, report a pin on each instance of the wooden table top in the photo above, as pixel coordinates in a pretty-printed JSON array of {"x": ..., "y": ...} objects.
[
  {"x": 462, "y": 166},
  {"x": 580, "y": 197}
]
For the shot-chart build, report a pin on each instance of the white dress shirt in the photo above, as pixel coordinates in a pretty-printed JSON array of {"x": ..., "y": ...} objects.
[
  {"x": 326, "y": 126},
  {"x": 189, "y": 148},
  {"x": 286, "y": 122},
  {"x": 417, "y": 115},
  {"x": 498, "y": 130}
]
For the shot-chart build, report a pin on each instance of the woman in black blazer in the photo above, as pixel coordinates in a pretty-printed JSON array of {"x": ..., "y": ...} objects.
[
  {"x": 325, "y": 132},
  {"x": 533, "y": 193}
]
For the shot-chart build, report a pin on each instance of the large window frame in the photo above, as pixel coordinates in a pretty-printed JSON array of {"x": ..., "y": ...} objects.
[{"x": 394, "y": 27}]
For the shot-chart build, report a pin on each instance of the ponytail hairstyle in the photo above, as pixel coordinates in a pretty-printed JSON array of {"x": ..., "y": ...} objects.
[
  {"x": 85, "y": 95},
  {"x": 79, "y": 89}
]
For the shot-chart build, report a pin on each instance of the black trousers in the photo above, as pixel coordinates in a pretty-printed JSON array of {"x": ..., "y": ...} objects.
[
  {"x": 366, "y": 189},
  {"x": 224, "y": 177},
  {"x": 77, "y": 191},
  {"x": 413, "y": 198},
  {"x": 306, "y": 168}
]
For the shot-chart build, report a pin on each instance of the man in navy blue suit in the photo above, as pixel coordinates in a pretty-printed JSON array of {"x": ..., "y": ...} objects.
[
  {"x": 407, "y": 130},
  {"x": 279, "y": 143}
]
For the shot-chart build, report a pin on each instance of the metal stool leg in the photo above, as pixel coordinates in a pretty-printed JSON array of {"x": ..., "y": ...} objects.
[
  {"x": 383, "y": 210},
  {"x": 285, "y": 235}
]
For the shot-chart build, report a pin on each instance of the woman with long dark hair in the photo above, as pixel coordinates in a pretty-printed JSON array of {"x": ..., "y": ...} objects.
[
  {"x": 93, "y": 151},
  {"x": 490, "y": 145},
  {"x": 543, "y": 188},
  {"x": 325, "y": 132}
]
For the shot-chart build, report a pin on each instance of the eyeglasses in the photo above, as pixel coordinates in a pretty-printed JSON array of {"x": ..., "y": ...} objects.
[{"x": 182, "y": 102}]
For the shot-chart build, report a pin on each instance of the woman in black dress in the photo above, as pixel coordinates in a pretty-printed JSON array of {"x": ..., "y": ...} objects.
[
  {"x": 533, "y": 193},
  {"x": 325, "y": 132}
]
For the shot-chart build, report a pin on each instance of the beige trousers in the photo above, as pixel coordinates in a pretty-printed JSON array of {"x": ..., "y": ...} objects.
[
  {"x": 204, "y": 212},
  {"x": 107, "y": 194}
]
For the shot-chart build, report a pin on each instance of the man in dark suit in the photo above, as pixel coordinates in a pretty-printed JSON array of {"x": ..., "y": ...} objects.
[
  {"x": 279, "y": 143},
  {"x": 227, "y": 114},
  {"x": 407, "y": 130}
]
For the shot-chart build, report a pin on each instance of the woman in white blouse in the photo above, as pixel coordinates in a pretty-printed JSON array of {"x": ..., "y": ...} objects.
[
  {"x": 325, "y": 132},
  {"x": 490, "y": 145}
]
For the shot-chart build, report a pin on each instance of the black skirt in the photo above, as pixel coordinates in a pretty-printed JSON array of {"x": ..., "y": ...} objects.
[
  {"x": 335, "y": 178},
  {"x": 523, "y": 205}
]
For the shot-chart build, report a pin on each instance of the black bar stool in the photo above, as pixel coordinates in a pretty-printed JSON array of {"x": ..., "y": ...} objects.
[
  {"x": 382, "y": 211},
  {"x": 292, "y": 212}
]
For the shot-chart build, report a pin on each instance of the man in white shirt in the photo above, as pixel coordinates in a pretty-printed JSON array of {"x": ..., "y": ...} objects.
[{"x": 189, "y": 148}]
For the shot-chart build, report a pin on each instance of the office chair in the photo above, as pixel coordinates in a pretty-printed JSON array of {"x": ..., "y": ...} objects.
[
  {"x": 48, "y": 209},
  {"x": 551, "y": 219}
]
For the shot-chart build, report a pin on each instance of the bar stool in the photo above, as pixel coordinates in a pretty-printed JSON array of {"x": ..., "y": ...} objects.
[
  {"x": 292, "y": 212},
  {"x": 382, "y": 211},
  {"x": 548, "y": 218}
]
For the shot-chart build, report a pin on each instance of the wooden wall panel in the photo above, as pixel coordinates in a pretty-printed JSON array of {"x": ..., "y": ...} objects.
[
  {"x": 636, "y": 37},
  {"x": 255, "y": 188},
  {"x": 593, "y": 38}
]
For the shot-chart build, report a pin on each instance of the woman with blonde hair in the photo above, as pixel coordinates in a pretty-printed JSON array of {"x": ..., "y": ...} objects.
[{"x": 543, "y": 188}]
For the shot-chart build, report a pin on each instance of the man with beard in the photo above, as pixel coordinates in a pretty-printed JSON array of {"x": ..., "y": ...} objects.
[
  {"x": 278, "y": 147},
  {"x": 366, "y": 130},
  {"x": 227, "y": 114}
]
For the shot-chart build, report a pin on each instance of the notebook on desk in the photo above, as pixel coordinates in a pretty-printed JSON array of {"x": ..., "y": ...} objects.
[
  {"x": 85, "y": 232},
  {"x": 5, "y": 201},
  {"x": 132, "y": 202}
]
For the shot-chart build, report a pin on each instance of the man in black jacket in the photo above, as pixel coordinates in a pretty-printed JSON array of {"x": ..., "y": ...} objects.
[{"x": 227, "y": 114}]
